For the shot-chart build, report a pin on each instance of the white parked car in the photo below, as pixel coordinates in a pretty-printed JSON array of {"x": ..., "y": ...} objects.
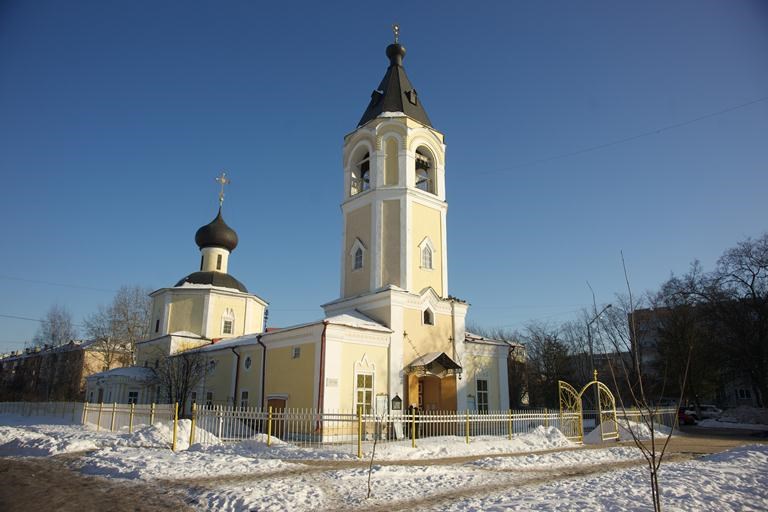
[{"x": 706, "y": 412}]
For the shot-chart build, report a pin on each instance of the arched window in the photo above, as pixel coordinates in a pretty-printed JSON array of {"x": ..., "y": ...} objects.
[
  {"x": 361, "y": 175},
  {"x": 357, "y": 255},
  {"x": 429, "y": 319},
  {"x": 425, "y": 171},
  {"x": 358, "y": 264},
  {"x": 426, "y": 257}
]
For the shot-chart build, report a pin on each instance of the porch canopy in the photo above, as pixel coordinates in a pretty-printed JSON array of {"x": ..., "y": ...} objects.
[{"x": 437, "y": 364}]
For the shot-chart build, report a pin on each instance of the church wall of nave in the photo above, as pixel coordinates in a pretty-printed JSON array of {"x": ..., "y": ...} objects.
[
  {"x": 424, "y": 338},
  {"x": 345, "y": 363},
  {"x": 186, "y": 313}
]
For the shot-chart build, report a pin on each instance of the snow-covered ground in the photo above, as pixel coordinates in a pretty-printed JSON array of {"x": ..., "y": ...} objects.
[{"x": 250, "y": 475}]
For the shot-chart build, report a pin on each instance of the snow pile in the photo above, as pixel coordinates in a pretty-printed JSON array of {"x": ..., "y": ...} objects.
[
  {"x": 727, "y": 423},
  {"x": 21, "y": 442},
  {"x": 160, "y": 435},
  {"x": 745, "y": 415},
  {"x": 626, "y": 428},
  {"x": 566, "y": 458}
]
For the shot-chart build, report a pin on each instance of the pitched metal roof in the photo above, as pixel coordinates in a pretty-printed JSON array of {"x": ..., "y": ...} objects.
[
  {"x": 395, "y": 92},
  {"x": 213, "y": 278}
]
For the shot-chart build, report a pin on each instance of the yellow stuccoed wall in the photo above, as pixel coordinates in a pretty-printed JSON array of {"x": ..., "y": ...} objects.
[
  {"x": 158, "y": 305},
  {"x": 391, "y": 174},
  {"x": 294, "y": 377},
  {"x": 351, "y": 354},
  {"x": 484, "y": 367},
  {"x": 426, "y": 223},
  {"x": 186, "y": 314},
  {"x": 426, "y": 338},
  {"x": 250, "y": 379},
  {"x": 219, "y": 380},
  {"x": 358, "y": 225},
  {"x": 149, "y": 351},
  {"x": 219, "y": 304},
  {"x": 390, "y": 271}
]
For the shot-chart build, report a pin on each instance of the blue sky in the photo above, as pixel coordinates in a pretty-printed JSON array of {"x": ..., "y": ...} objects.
[{"x": 115, "y": 117}]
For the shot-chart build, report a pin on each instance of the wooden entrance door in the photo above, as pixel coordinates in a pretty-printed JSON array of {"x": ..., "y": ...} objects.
[{"x": 278, "y": 410}]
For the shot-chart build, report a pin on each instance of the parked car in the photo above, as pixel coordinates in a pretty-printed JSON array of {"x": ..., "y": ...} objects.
[
  {"x": 683, "y": 418},
  {"x": 706, "y": 412}
]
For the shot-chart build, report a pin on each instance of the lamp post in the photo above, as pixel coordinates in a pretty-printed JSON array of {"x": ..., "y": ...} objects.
[{"x": 592, "y": 358}]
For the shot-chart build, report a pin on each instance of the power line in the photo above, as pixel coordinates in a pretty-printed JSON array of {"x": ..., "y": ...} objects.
[
  {"x": 626, "y": 139},
  {"x": 15, "y": 317},
  {"x": 51, "y": 283}
]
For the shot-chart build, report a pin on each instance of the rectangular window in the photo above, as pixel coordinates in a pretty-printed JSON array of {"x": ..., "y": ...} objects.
[
  {"x": 482, "y": 395},
  {"x": 296, "y": 352},
  {"x": 218, "y": 262},
  {"x": 243, "y": 399},
  {"x": 209, "y": 399},
  {"x": 364, "y": 392},
  {"x": 133, "y": 397},
  {"x": 157, "y": 325},
  {"x": 202, "y": 260},
  {"x": 193, "y": 397},
  {"x": 227, "y": 329}
]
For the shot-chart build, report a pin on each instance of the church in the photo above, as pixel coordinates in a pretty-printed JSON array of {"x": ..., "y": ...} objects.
[{"x": 393, "y": 338}]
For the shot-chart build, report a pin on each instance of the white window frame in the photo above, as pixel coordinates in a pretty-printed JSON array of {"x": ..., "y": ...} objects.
[
  {"x": 427, "y": 245},
  {"x": 135, "y": 399},
  {"x": 357, "y": 246},
  {"x": 368, "y": 408},
  {"x": 228, "y": 316},
  {"x": 431, "y": 316},
  {"x": 296, "y": 353},
  {"x": 482, "y": 404},
  {"x": 244, "y": 399},
  {"x": 209, "y": 398},
  {"x": 248, "y": 363}
]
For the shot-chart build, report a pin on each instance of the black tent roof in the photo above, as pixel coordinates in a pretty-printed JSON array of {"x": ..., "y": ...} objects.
[{"x": 395, "y": 92}]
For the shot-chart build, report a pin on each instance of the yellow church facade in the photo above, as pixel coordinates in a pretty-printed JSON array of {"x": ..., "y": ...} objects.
[{"x": 394, "y": 334}]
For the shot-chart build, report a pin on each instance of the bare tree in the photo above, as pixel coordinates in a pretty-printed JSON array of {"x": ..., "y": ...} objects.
[
  {"x": 119, "y": 326},
  {"x": 179, "y": 374},
  {"x": 56, "y": 329},
  {"x": 548, "y": 358},
  {"x": 631, "y": 372}
]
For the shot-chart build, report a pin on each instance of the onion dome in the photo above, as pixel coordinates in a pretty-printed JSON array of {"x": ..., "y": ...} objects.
[{"x": 216, "y": 234}]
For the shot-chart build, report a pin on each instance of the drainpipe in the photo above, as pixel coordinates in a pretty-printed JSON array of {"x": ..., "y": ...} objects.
[
  {"x": 263, "y": 367},
  {"x": 321, "y": 388},
  {"x": 237, "y": 376}
]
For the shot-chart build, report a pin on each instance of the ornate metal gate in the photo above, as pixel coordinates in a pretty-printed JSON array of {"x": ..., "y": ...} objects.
[{"x": 571, "y": 415}]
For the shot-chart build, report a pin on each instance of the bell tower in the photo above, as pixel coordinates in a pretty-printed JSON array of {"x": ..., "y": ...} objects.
[{"x": 394, "y": 209}]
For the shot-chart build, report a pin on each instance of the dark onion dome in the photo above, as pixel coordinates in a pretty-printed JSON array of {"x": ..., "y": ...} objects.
[
  {"x": 213, "y": 278},
  {"x": 216, "y": 234},
  {"x": 395, "y": 92}
]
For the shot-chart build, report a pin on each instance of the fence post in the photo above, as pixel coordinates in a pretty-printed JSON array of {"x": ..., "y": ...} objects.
[
  {"x": 98, "y": 418},
  {"x": 85, "y": 414},
  {"x": 269, "y": 426},
  {"x": 112, "y": 423},
  {"x": 466, "y": 427},
  {"x": 130, "y": 418},
  {"x": 413, "y": 427},
  {"x": 509, "y": 425},
  {"x": 152, "y": 414},
  {"x": 360, "y": 432},
  {"x": 546, "y": 417},
  {"x": 192, "y": 429},
  {"x": 175, "y": 424}
]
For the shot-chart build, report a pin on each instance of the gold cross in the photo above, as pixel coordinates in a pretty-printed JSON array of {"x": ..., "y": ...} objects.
[
  {"x": 396, "y": 31},
  {"x": 222, "y": 180}
]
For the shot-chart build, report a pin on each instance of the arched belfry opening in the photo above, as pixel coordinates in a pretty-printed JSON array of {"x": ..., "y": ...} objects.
[
  {"x": 425, "y": 170},
  {"x": 360, "y": 180}
]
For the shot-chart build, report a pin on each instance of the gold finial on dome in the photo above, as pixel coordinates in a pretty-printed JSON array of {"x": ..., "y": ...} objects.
[{"x": 222, "y": 180}]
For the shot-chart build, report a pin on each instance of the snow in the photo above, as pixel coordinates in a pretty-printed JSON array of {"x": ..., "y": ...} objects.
[
  {"x": 725, "y": 423},
  {"x": 131, "y": 372},
  {"x": 505, "y": 475},
  {"x": 391, "y": 114},
  {"x": 626, "y": 428}
]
